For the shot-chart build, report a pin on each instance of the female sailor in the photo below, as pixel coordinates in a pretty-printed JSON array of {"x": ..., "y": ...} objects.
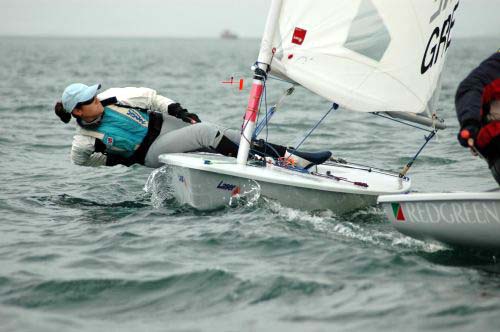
[{"x": 135, "y": 125}]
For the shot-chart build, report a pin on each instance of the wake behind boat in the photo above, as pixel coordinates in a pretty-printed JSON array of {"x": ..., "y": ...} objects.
[
  {"x": 463, "y": 219},
  {"x": 372, "y": 56}
]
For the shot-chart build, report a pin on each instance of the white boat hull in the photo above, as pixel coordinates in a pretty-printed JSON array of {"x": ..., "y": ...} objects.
[
  {"x": 208, "y": 181},
  {"x": 462, "y": 219}
]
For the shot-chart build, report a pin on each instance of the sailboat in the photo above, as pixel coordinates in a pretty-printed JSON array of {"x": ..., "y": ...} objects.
[
  {"x": 375, "y": 56},
  {"x": 464, "y": 219}
]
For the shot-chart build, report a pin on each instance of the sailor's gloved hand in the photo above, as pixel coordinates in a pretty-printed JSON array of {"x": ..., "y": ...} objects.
[
  {"x": 468, "y": 133},
  {"x": 178, "y": 111},
  {"x": 190, "y": 117}
]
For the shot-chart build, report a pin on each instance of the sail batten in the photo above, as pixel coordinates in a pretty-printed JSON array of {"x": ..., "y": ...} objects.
[{"x": 367, "y": 55}]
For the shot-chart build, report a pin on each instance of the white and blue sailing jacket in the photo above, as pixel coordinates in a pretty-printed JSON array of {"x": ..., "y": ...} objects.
[
  {"x": 121, "y": 129},
  {"x": 111, "y": 130}
]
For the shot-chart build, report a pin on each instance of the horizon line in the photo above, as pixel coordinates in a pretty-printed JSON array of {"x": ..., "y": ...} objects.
[
  {"x": 121, "y": 36},
  {"x": 169, "y": 37}
]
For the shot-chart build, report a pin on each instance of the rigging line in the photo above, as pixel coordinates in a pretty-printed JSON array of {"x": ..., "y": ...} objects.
[
  {"x": 254, "y": 135},
  {"x": 265, "y": 97},
  {"x": 335, "y": 106},
  {"x": 265, "y": 105},
  {"x": 258, "y": 114},
  {"x": 363, "y": 168},
  {"x": 402, "y": 122},
  {"x": 243, "y": 127},
  {"x": 410, "y": 163},
  {"x": 282, "y": 80},
  {"x": 270, "y": 111}
]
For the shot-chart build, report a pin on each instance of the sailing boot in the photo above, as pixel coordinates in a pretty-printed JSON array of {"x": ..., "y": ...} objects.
[
  {"x": 229, "y": 148},
  {"x": 226, "y": 147},
  {"x": 267, "y": 149}
]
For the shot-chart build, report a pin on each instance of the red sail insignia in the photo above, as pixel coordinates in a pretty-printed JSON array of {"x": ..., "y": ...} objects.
[{"x": 298, "y": 36}]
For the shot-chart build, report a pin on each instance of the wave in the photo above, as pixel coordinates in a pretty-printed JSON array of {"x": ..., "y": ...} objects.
[
  {"x": 204, "y": 292},
  {"x": 287, "y": 287},
  {"x": 127, "y": 294},
  {"x": 68, "y": 200}
]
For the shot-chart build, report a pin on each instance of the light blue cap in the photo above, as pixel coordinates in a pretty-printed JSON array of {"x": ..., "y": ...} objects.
[{"x": 78, "y": 93}]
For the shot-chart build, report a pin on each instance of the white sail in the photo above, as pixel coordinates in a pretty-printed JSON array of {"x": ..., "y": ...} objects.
[{"x": 366, "y": 55}]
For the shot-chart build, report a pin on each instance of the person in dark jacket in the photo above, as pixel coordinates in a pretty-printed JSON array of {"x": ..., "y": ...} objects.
[{"x": 477, "y": 104}]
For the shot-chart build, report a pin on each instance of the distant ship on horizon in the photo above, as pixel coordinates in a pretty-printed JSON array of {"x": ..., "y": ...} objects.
[{"x": 227, "y": 34}]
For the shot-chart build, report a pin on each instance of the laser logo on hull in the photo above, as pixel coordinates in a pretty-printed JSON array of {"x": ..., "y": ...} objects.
[{"x": 234, "y": 189}]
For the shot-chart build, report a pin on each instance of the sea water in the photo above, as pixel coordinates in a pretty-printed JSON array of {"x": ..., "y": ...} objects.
[{"x": 102, "y": 249}]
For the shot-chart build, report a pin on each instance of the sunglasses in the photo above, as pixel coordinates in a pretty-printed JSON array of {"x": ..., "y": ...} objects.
[{"x": 87, "y": 102}]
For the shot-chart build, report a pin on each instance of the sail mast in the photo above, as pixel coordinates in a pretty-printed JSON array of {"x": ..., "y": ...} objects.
[{"x": 260, "y": 73}]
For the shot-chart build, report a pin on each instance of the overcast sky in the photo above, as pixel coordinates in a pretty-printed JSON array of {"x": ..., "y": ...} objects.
[{"x": 180, "y": 18}]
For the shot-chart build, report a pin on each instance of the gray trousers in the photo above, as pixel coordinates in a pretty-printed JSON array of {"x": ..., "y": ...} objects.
[{"x": 178, "y": 136}]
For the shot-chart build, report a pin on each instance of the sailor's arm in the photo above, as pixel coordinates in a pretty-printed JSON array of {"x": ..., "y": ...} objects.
[
  {"x": 149, "y": 99},
  {"x": 86, "y": 151},
  {"x": 474, "y": 88},
  {"x": 139, "y": 97},
  {"x": 163, "y": 104},
  {"x": 83, "y": 152}
]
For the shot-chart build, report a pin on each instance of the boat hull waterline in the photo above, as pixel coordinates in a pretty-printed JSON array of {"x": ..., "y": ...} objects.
[
  {"x": 208, "y": 181},
  {"x": 459, "y": 219}
]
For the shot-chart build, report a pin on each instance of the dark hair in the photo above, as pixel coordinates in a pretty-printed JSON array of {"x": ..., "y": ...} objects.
[{"x": 61, "y": 112}]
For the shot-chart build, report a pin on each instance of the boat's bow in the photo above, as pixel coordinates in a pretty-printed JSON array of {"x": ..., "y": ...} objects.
[{"x": 464, "y": 219}]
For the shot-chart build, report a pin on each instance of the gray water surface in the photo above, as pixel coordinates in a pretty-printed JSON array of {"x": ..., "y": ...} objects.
[{"x": 89, "y": 249}]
